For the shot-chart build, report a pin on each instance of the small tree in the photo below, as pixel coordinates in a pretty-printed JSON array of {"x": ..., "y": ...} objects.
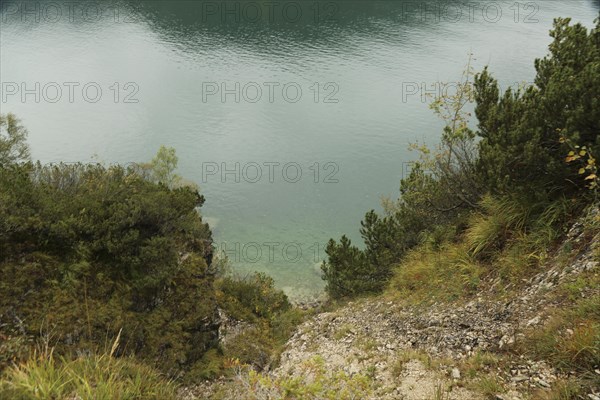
[
  {"x": 441, "y": 184},
  {"x": 162, "y": 170},
  {"x": 454, "y": 162},
  {"x": 347, "y": 270},
  {"x": 163, "y": 167},
  {"x": 13, "y": 141}
]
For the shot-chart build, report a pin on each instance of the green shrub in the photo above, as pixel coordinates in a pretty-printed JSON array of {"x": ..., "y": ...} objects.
[
  {"x": 251, "y": 297},
  {"x": 255, "y": 300},
  {"x": 210, "y": 366},
  {"x": 525, "y": 134},
  {"x": 284, "y": 324},
  {"x": 253, "y": 346},
  {"x": 87, "y": 250},
  {"x": 347, "y": 270}
]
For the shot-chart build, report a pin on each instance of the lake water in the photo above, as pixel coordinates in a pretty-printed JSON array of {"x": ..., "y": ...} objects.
[{"x": 294, "y": 117}]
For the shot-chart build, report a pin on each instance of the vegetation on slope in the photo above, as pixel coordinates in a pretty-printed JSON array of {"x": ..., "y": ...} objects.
[
  {"x": 91, "y": 252},
  {"x": 513, "y": 182},
  {"x": 489, "y": 206}
]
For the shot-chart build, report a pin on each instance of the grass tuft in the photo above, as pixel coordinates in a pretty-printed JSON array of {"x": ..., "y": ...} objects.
[
  {"x": 89, "y": 377},
  {"x": 426, "y": 273},
  {"x": 491, "y": 228}
]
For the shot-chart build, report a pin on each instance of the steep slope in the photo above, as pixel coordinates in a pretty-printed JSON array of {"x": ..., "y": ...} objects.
[{"x": 480, "y": 347}]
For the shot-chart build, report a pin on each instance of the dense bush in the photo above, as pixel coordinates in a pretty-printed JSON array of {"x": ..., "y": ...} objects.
[
  {"x": 87, "y": 250},
  {"x": 251, "y": 298},
  {"x": 533, "y": 152},
  {"x": 521, "y": 131}
]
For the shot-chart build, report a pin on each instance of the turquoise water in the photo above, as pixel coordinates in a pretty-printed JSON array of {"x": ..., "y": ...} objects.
[{"x": 252, "y": 94}]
